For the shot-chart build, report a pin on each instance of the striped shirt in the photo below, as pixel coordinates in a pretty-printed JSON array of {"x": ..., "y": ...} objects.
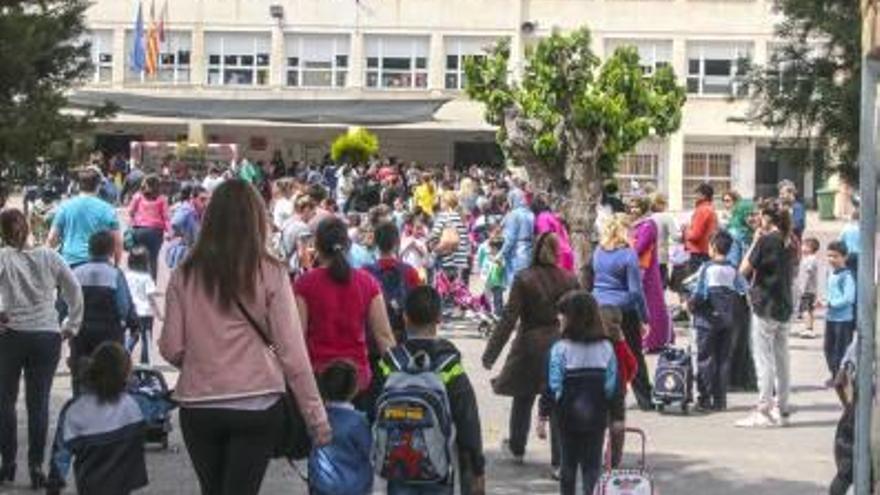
[{"x": 460, "y": 258}]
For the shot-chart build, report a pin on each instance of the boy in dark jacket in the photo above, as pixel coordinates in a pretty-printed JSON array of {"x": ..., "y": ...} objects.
[{"x": 423, "y": 315}]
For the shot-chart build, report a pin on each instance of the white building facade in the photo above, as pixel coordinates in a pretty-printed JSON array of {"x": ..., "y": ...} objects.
[{"x": 312, "y": 51}]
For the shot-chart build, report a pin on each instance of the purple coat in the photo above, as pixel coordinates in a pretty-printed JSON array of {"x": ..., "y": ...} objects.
[{"x": 644, "y": 239}]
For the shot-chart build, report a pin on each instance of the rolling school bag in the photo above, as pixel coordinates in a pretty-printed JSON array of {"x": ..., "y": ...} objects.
[
  {"x": 674, "y": 379},
  {"x": 629, "y": 480}
]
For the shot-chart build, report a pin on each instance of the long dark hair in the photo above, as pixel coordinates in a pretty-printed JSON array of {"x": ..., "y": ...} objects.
[
  {"x": 150, "y": 187},
  {"x": 232, "y": 243},
  {"x": 14, "y": 228},
  {"x": 583, "y": 322},
  {"x": 332, "y": 243},
  {"x": 546, "y": 252},
  {"x": 105, "y": 372}
]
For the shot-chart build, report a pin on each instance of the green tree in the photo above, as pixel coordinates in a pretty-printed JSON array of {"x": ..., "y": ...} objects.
[
  {"x": 571, "y": 117},
  {"x": 809, "y": 91},
  {"x": 43, "y": 53},
  {"x": 355, "y": 146}
]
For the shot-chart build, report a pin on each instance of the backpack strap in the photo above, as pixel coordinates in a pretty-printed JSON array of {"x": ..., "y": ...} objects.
[
  {"x": 449, "y": 369},
  {"x": 397, "y": 359}
]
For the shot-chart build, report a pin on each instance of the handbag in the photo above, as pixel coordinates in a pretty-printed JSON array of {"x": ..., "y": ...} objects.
[
  {"x": 449, "y": 241},
  {"x": 294, "y": 441}
]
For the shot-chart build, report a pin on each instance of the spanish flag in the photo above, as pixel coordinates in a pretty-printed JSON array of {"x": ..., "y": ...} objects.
[{"x": 152, "y": 65}]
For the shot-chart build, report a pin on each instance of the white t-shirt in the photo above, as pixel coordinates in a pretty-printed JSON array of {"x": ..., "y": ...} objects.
[
  {"x": 141, "y": 286},
  {"x": 211, "y": 183},
  {"x": 282, "y": 210}
]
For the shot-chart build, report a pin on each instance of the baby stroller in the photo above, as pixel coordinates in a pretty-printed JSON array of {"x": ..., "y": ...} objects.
[
  {"x": 149, "y": 388},
  {"x": 456, "y": 293}
]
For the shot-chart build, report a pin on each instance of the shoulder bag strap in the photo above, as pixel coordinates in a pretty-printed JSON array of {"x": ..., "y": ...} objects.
[{"x": 264, "y": 336}]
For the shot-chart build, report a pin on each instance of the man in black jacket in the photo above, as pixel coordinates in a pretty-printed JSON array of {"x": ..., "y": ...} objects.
[{"x": 422, "y": 315}]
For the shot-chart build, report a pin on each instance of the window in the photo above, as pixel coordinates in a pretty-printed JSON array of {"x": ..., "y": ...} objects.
[
  {"x": 316, "y": 61},
  {"x": 173, "y": 63},
  {"x": 791, "y": 67},
  {"x": 718, "y": 68},
  {"x": 397, "y": 62},
  {"x": 102, "y": 55},
  {"x": 653, "y": 54},
  {"x": 459, "y": 49},
  {"x": 641, "y": 168},
  {"x": 712, "y": 167},
  {"x": 237, "y": 59}
]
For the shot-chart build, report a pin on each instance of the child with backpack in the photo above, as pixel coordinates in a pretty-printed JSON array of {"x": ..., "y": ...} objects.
[
  {"x": 840, "y": 316},
  {"x": 108, "y": 308},
  {"x": 491, "y": 266},
  {"x": 582, "y": 384},
  {"x": 396, "y": 277},
  {"x": 343, "y": 466},
  {"x": 143, "y": 295},
  {"x": 719, "y": 285},
  {"x": 424, "y": 378},
  {"x": 102, "y": 428}
]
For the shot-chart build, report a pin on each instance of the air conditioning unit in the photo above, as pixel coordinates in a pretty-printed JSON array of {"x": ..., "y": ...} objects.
[
  {"x": 528, "y": 27},
  {"x": 276, "y": 12}
]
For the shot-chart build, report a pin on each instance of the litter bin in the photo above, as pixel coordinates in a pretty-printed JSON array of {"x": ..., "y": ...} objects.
[{"x": 825, "y": 198}]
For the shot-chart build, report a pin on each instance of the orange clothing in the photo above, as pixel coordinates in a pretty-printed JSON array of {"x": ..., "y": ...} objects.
[{"x": 703, "y": 225}]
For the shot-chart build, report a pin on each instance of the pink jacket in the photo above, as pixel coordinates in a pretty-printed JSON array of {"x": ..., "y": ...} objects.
[
  {"x": 147, "y": 213},
  {"x": 220, "y": 356},
  {"x": 548, "y": 222}
]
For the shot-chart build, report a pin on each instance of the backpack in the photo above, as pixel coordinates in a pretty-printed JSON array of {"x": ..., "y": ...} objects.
[
  {"x": 414, "y": 434},
  {"x": 394, "y": 291}
]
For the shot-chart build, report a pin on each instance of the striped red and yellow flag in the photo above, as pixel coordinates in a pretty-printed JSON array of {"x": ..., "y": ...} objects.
[{"x": 152, "y": 62}]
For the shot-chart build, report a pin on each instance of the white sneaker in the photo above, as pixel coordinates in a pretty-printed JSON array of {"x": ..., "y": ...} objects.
[
  {"x": 758, "y": 419},
  {"x": 779, "y": 418}
]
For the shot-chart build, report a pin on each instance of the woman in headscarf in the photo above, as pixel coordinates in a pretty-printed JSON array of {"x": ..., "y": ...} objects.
[
  {"x": 519, "y": 234},
  {"x": 548, "y": 221},
  {"x": 643, "y": 237}
]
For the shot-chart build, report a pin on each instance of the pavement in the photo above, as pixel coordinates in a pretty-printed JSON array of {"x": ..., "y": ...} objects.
[{"x": 688, "y": 455}]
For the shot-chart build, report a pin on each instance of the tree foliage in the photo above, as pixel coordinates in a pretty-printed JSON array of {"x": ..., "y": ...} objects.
[
  {"x": 571, "y": 117},
  {"x": 809, "y": 91},
  {"x": 43, "y": 54},
  {"x": 355, "y": 146}
]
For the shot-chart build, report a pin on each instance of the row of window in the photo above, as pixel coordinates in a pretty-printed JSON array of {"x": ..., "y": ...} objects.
[
  {"x": 322, "y": 60},
  {"x": 643, "y": 169}
]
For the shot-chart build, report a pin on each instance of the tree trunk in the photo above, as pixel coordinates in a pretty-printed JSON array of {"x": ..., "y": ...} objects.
[{"x": 580, "y": 213}]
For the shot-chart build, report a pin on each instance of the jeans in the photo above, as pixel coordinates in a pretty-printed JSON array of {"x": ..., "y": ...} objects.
[
  {"x": 145, "y": 336},
  {"x": 497, "y": 294},
  {"x": 230, "y": 449},
  {"x": 398, "y": 488},
  {"x": 521, "y": 424},
  {"x": 36, "y": 354},
  {"x": 838, "y": 336},
  {"x": 581, "y": 451},
  {"x": 151, "y": 239},
  {"x": 713, "y": 365},
  {"x": 632, "y": 332},
  {"x": 770, "y": 352}
]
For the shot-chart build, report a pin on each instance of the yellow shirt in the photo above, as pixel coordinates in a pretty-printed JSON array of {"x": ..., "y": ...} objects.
[{"x": 425, "y": 198}]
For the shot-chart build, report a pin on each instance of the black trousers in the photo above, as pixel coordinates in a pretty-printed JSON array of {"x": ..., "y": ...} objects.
[
  {"x": 230, "y": 449},
  {"x": 151, "y": 239},
  {"x": 521, "y": 424},
  {"x": 632, "y": 332},
  {"x": 581, "y": 451},
  {"x": 838, "y": 336},
  {"x": 36, "y": 354},
  {"x": 713, "y": 365}
]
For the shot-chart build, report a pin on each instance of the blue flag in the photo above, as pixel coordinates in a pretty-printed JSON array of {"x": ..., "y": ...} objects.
[{"x": 138, "y": 55}]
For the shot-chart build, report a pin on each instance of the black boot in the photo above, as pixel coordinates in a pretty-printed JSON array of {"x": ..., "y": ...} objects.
[
  {"x": 38, "y": 478},
  {"x": 7, "y": 473}
]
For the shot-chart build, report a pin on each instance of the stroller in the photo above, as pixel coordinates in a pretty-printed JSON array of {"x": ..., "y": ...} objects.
[
  {"x": 457, "y": 293},
  {"x": 149, "y": 388}
]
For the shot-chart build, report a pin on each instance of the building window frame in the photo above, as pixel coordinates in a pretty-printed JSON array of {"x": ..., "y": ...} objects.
[
  {"x": 175, "y": 60},
  {"x": 253, "y": 66},
  {"x": 414, "y": 76},
  {"x": 298, "y": 70},
  {"x": 642, "y": 167},
  {"x": 709, "y": 162},
  {"x": 457, "y": 49},
  {"x": 719, "y": 76},
  {"x": 654, "y": 54},
  {"x": 101, "y": 53}
]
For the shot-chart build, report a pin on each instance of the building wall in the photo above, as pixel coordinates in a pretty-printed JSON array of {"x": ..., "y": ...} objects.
[{"x": 678, "y": 28}]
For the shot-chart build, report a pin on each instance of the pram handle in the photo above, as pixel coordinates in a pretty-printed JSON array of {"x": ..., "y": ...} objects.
[{"x": 636, "y": 431}]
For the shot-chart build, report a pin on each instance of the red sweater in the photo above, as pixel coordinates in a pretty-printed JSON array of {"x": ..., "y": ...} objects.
[
  {"x": 703, "y": 225},
  {"x": 627, "y": 366}
]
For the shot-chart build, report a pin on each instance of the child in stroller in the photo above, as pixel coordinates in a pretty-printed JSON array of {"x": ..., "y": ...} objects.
[{"x": 455, "y": 293}]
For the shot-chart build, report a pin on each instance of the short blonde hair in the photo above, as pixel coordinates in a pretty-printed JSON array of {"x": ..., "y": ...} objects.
[
  {"x": 659, "y": 202},
  {"x": 450, "y": 200},
  {"x": 615, "y": 233}
]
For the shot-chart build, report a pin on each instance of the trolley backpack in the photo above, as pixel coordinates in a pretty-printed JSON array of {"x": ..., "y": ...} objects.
[
  {"x": 394, "y": 291},
  {"x": 414, "y": 435},
  {"x": 626, "y": 481}
]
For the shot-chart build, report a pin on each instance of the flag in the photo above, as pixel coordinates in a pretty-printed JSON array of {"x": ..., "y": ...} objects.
[
  {"x": 152, "y": 43},
  {"x": 137, "y": 51},
  {"x": 162, "y": 21}
]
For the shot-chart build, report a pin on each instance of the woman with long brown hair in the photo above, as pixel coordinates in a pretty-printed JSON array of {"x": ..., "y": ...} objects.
[
  {"x": 228, "y": 291},
  {"x": 30, "y": 337},
  {"x": 150, "y": 218},
  {"x": 531, "y": 307}
]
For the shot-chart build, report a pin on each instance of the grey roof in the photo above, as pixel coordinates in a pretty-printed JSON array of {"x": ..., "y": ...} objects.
[{"x": 312, "y": 111}]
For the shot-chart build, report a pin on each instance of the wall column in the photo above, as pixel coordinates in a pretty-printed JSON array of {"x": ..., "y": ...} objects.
[
  {"x": 743, "y": 180},
  {"x": 195, "y": 132},
  {"x": 119, "y": 58},
  {"x": 356, "y": 61},
  {"x": 436, "y": 63},
  {"x": 675, "y": 171},
  {"x": 198, "y": 58},
  {"x": 276, "y": 56}
]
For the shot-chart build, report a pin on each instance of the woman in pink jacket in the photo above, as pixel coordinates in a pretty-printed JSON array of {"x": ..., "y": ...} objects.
[
  {"x": 150, "y": 219},
  {"x": 231, "y": 384},
  {"x": 548, "y": 221}
]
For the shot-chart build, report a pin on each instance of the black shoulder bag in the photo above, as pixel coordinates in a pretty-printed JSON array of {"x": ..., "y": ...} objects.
[{"x": 294, "y": 441}]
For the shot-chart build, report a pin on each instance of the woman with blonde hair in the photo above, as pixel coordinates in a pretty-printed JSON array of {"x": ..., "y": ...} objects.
[
  {"x": 531, "y": 306},
  {"x": 467, "y": 194},
  {"x": 449, "y": 238},
  {"x": 617, "y": 282}
]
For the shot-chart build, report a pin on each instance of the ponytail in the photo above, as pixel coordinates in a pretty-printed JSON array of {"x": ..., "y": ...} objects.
[{"x": 333, "y": 243}]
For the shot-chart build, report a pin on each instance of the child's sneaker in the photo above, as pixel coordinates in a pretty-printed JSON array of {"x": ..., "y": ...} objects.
[
  {"x": 758, "y": 419},
  {"x": 505, "y": 449},
  {"x": 780, "y": 418}
]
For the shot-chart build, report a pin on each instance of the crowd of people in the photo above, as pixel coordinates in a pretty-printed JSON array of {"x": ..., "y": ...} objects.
[{"x": 314, "y": 295}]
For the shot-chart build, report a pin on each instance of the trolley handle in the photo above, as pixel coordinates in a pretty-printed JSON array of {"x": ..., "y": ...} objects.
[{"x": 635, "y": 431}]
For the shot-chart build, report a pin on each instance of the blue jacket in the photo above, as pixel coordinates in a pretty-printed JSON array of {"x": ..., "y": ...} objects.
[
  {"x": 851, "y": 238},
  {"x": 841, "y": 295},
  {"x": 345, "y": 465},
  {"x": 582, "y": 379},
  {"x": 617, "y": 280},
  {"x": 108, "y": 307},
  {"x": 519, "y": 234},
  {"x": 713, "y": 297},
  {"x": 798, "y": 218}
]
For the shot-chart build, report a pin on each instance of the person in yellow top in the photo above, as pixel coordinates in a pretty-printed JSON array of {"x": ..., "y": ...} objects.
[{"x": 425, "y": 195}]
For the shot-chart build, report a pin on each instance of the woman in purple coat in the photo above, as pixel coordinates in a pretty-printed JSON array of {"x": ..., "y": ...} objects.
[{"x": 644, "y": 241}]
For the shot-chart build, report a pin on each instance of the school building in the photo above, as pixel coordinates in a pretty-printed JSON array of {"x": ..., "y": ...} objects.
[{"x": 289, "y": 75}]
